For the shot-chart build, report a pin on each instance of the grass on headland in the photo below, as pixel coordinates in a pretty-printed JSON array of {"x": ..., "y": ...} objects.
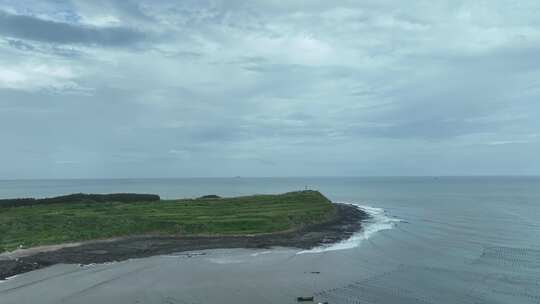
[
  {"x": 69, "y": 222},
  {"x": 80, "y": 198}
]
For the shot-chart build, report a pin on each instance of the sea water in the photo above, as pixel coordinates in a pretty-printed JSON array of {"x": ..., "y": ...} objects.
[{"x": 429, "y": 240}]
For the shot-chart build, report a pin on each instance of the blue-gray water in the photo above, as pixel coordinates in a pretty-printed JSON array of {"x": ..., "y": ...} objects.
[{"x": 458, "y": 240}]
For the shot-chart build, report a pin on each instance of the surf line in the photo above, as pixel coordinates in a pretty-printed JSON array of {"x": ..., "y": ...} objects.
[{"x": 378, "y": 221}]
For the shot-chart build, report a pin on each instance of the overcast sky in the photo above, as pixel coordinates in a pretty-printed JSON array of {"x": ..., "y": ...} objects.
[{"x": 268, "y": 88}]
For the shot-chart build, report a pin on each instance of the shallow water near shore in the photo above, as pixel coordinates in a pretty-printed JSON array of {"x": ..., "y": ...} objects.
[{"x": 431, "y": 240}]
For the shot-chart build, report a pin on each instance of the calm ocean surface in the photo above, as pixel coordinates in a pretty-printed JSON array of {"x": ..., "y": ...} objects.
[{"x": 431, "y": 240}]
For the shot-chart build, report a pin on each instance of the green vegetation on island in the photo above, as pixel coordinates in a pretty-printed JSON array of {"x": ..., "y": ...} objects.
[
  {"x": 81, "y": 198},
  {"x": 89, "y": 217}
]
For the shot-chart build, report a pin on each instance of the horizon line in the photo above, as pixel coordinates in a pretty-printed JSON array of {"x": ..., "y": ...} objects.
[{"x": 262, "y": 177}]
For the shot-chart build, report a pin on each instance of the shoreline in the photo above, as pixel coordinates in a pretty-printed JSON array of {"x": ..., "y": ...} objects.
[{"x": 348, "y": 220}]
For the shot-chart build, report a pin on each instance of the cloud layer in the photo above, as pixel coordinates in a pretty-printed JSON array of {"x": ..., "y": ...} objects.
[
  {"x": 264, "y": 88},
  {"x": 36, "y": 29}
]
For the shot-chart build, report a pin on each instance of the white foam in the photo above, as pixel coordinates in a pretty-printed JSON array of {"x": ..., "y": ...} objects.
[
  {"x": 260, "y": 253},
  {"x": 8, "y": 278},
  {"x": 227, "y": 260},
  {"x": 378, "y": 221}
]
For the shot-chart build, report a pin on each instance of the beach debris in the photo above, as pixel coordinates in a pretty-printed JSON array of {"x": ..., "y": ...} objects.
[{"x": 304, "y": 299}]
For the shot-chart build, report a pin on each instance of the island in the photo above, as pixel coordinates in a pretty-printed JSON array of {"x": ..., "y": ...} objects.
[{"x": 99, "y": 228}]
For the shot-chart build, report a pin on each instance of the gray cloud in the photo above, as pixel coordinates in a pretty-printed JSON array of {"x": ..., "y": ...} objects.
[
  {"x": 32, "y": 28},
  {"x": 226, "y": 88},
  {"x": 20, "y": 45}
]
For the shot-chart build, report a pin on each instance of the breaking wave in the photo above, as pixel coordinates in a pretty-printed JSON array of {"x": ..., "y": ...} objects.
[{"x": 377, "y": 221}]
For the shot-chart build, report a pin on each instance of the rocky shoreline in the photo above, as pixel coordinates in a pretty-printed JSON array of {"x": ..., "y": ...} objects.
[{"x": 348, "y": 220}]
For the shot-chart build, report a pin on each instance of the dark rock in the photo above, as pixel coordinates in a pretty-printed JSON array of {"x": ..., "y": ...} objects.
[{"x": 210, "y": 196}]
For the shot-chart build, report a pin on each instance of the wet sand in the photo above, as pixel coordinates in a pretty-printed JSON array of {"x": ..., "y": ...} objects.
[
  {"x": 239, "y": 276},
  {"x": 345, "y": 224}
]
